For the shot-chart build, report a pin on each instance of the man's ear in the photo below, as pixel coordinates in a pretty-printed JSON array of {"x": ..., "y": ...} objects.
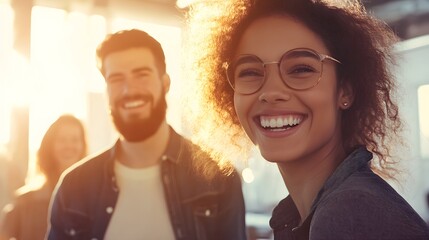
[
  {"x": 166, "y": 82},
  {"x": 346, "y": 96}
]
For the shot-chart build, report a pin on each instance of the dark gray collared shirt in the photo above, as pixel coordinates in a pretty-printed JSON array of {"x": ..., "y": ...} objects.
[{"x": 354, "y": 203}]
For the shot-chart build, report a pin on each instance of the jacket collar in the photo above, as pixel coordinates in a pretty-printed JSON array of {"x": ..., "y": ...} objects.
[
  {"x": 172, "y": 153},
  {"x": 174, "y": 149},
  {"x": 285, "y": 213},
  {"x": 358, "y": 159}
]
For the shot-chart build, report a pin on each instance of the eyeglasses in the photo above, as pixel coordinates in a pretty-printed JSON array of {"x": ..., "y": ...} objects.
[{"x": 299, "y": 68}]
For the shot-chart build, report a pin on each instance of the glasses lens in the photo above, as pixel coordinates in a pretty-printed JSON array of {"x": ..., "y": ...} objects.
[
  {"x": 301, "y": 69},
  {"x": 246, "y": 74}
]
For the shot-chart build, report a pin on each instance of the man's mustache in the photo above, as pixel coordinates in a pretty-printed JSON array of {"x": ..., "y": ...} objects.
[{"x": 136, "y": 97}]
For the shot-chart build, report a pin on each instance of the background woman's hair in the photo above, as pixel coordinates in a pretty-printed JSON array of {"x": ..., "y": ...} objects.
[
  {"x": 46, "y": 161},
  {"x": 362, "y": 43}
]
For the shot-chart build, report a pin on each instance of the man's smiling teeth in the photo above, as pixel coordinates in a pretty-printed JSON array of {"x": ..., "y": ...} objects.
[
  {"x": 278, "y": 122},
  {"x": 134, "y": 104}
]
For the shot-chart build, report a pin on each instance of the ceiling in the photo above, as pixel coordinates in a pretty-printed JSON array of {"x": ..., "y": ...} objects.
[{"x": 408, "y": 18}]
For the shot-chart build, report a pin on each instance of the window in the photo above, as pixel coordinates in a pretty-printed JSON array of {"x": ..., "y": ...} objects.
[
  {"x": 7, "y": 57},
  {"x": 61, "y": 75}
]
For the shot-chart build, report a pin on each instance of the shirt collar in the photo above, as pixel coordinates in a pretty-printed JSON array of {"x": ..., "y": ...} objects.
[
  {"x": 172, "y": 153},
  {"x": 285, "y": 213}
]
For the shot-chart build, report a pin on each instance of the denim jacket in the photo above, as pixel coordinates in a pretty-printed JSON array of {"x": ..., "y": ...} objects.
[
  {"x": 200, "y": 209},
  {"x": 354, "y": 203}
]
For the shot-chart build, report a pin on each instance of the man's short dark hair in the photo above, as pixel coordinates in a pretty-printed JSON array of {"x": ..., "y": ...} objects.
[{"x": 126, "y": 39}]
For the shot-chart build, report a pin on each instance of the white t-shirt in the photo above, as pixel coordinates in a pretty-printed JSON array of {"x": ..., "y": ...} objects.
[{"x": 141, "y": 211}]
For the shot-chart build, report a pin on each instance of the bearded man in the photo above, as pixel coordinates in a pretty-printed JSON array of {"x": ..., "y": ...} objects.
[{"x": 148, "y": 185}]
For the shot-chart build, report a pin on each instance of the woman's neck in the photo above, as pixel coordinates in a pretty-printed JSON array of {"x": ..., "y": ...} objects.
[{"x": 305, "y": 177}]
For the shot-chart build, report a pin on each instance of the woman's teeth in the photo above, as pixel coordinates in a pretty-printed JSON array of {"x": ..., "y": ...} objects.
[{"x": 279, "y": 121}]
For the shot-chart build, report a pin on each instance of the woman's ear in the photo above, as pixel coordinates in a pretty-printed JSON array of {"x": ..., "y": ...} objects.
[{"x": 346, "y": 96}]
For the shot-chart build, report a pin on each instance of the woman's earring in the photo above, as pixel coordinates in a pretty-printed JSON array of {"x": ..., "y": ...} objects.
[{"x": 345, "y": 104}]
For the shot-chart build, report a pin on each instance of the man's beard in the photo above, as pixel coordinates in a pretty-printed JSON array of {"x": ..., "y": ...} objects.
[{"x": 136, "y": 130}]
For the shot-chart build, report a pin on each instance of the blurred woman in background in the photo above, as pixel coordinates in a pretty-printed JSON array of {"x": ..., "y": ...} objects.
[{"x": 63, "y": 144}]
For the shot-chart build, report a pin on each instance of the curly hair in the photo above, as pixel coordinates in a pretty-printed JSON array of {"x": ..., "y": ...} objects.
[{"x": 361, "y": 42}]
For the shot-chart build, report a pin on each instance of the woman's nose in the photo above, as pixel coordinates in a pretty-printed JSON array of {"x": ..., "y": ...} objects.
[{"x": 274, "y": 89}]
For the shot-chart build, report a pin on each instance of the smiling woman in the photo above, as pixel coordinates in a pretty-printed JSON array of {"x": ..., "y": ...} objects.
[
  {"x": 326, "y": 115},
  {"x": 63, "y": 144}
]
